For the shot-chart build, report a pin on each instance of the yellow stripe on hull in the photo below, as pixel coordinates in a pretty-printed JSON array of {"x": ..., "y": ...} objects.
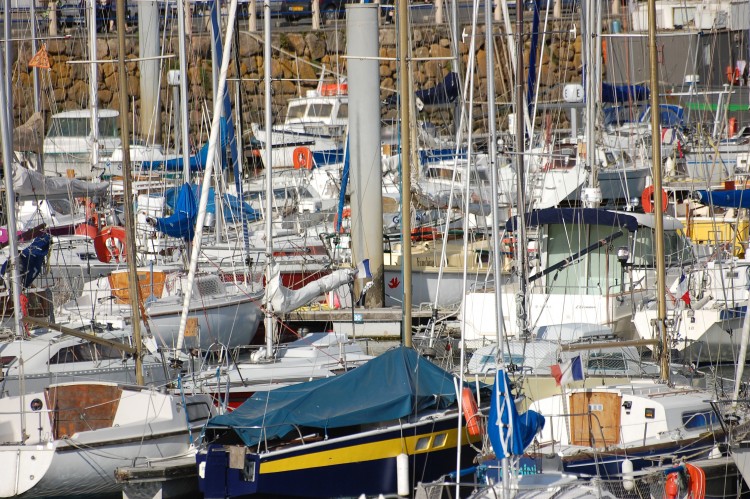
[{"x": 366, "y": 452}]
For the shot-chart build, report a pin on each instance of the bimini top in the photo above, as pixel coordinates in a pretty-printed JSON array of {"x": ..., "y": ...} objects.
[
  {"x": 396, "y": 384},
  {"x": 592, "y": 216}
]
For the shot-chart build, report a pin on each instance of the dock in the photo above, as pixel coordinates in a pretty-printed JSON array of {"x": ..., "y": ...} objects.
[{"x": 159, "y": 480}]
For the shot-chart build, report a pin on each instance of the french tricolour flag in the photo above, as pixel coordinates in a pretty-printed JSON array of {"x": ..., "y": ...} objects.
[
  {"x": 363, "y": 269},
  {"x": 568, "y": 372},
  {"x": 681, "y": 289}
]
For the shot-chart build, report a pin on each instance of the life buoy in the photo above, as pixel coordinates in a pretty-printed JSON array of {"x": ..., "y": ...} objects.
[
  {"x": 471, "y": 413},
  {"x": 302, "y": 158},
  {"x": 424, "y": 234},
  {"x": 345, "y": 213},
  {"x": 86, "y": 230},
  {"x": 696, "y": 483},
  {"x": 109, "y": 245},
  {"x": 508, "y": 247},
  {"x": 648, "y": 203}
]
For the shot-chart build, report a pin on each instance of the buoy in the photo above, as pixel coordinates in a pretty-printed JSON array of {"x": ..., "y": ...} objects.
[
  {"x": 402, "y": 475},
  {"x": 109, "y": 245},
  {"x": 471, "y": 413},
  {"x": 627, "y": 475},
  {"x": 732, "y": 127},
  {"x": 697, "y": 485},
  {"x": 302, "y": 158},
  {"x": 86, "y": 230},
  {"x": 648, "y": 203}
]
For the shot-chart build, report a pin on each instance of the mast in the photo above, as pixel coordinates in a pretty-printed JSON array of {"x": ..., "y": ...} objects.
[
  {"x": 661, "y": 298},
  {"x": 185, "y": 127},
  {"x": 522, "y": 264},
  {"x": 203, "y": 202},
  {"x": 94, "y": 85},
  {"x": 10, "y": 201},
  {"x": 269, "y": 168},
  {"x": 133, "y": 286},
  {"x": 404, "y": 72},
  {"x": 37, "y": 84},
  {"x": 489, "y": 44}
]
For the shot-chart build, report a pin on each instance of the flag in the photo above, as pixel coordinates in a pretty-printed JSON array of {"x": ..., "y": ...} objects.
[
  {"x": 40, "y": 59},
  {"x": 681, "y": 289},
  {"x": 568, "y": 372},
  {"x": 363, "y": 269}
]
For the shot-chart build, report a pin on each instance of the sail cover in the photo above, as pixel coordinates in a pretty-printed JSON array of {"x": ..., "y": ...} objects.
[
  {"x": 28, "y": 183},
  {"x": 31, "y": 260},
  {"x": 509, "y": 432},
  {"x": 624, "y": 93},
  {"x": 285, "y": 300},
  {"x": 181, "y": 223},
  {"x": 725, "y": 199},
  {"x": 394, "y": 385},
  {"x": 443, "y": 93},
  {"x": 588, "y": 216}
]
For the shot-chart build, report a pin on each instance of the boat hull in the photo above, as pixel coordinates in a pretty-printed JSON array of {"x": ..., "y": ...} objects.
[{"x": 360, "y": 464}]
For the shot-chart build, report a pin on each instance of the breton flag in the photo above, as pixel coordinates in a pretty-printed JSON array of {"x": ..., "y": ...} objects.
[
  {"x": 363, "y": 269},
  {"x": 681, "y": 289},
  {"x": 568, "y": 372}
]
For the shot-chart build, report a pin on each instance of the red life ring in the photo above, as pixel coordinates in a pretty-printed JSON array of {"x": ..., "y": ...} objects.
[
  {"x": 302, "y": 158},
  {"x": 471, "y": 413},
  {"x": 86, "y": 230},
  {"x": 109, "y": 245},
  {"x": 648, "y": 203},
  {"x": 696, "y": 486}
]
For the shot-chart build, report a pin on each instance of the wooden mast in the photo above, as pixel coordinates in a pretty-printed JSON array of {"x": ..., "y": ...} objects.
[
  {"x": 135, "y": 289},
  {"x": 661, "y": 298}
]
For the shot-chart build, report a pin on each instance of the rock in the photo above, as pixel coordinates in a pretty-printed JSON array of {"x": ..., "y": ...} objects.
[
  {"x": 295, "y": 43},
  {"x": 316, "y": 46}
]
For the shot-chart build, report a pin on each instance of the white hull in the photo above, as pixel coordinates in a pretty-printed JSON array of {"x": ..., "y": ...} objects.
[{"x": 135, "y": 426}]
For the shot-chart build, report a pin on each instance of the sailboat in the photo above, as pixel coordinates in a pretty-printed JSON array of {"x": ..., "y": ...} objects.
[{"x": 70, "y": 437}]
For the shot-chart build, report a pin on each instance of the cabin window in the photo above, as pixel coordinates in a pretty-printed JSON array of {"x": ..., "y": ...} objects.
[
  {"x": 343, "y": 110},
  {"x": 85, "y": 352},
  {"x": 604, "y": 363},
  {"x": 422, "y": 444},
  {"x": 440, "y": 440},
  {"x": 70, "y": 127},
  {"x": 296, "y": 111},
  {"x": 319, "y": 110},
  {"x": 6, "y": 360},
  {"x": 699, "y": 419},
  {"x": 586, "y": 275},
  {"x": 677, "y": 250},
  {"x": 61, "y": 206},
  {"x": 108, "y": 127}
]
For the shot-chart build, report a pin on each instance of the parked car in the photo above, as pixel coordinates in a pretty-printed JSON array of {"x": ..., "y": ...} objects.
[
  {"x": 330, "y": 10},
  {"x": 71, "y": 13}
]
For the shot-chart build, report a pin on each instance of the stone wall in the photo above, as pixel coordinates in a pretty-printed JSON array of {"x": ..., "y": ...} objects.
[{"x": 298, "y": 61}]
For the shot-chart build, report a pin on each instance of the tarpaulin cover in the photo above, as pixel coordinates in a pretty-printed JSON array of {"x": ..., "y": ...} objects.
[
  {"x": 624, "y": 93},
  {"x": 394, "y": 385},
  {"x": 231, "y": 205}
]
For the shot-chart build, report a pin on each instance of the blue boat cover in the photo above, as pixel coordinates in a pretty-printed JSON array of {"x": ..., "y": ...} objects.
[
  {"x": 231, "y": 204},
  {"x": 445, "y": 92},
  {"x": 624, "y": 93},
  {"x": 181, "y": 223},
  {"x": 31, "y": 260},
  {"x": 725, "y": 199},
  {"x": 396, "y": 384},
  {"x": 509, "y": 432},
  {"x": 588, "y": 216},
  {"x": 197, "y": 162}
]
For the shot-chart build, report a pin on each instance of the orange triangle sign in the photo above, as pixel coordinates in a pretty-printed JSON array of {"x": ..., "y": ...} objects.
[{"x": 40, "y": 59}]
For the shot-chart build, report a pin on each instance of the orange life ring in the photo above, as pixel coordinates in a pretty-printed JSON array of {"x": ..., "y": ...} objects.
[
  {"x": 109, "y": 245},
  {"x": 696, "y": 487},
  {"x": 92, "y": 217},
  {"x": 86, "y": 230},
  {"x": 647, "y": 202},
  {"x": 471, "y": 413},
  {"x": 302, "y": 158}
]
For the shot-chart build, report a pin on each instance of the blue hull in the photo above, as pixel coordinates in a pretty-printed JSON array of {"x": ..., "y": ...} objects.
[{"x": 362, "y": 464}]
